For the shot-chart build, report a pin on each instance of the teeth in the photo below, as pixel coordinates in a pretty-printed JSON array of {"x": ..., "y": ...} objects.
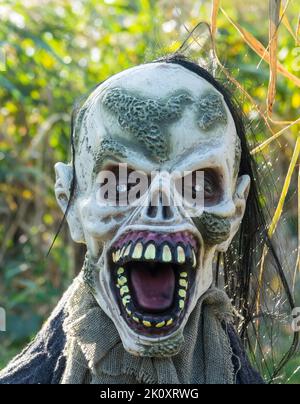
[
  {"x": 127, "y": 251},
  {"x": 122, "y": 280},
  {"x": 194, "y": 258},
  {"x": 122, "y": 252},
  {"x": 120, "y": 271},
  {"x": 149, "y": 324},
  {"x": 150, "y": 252},
  {"x": 155, "y": 323},
  {"x": 126, "y": 299},
  {"x": 182, "y": 293},
  {"x": 183, "y": 283},
  {"x": 166, "y": 255},
  {"x": 138, "y": 251},
  {"x": 117, "y": 255},
  {"x": 123, "y": 290},
  {"x": 180, "y": 255},
  {"x": 177, "y": 254}
]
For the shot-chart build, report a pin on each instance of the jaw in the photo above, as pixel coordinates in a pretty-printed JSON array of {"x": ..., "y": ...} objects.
[{"x": 149, "y": 290}]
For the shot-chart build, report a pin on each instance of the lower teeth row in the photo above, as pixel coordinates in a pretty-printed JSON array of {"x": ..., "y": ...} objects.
[{"x": 122, "y": 285}]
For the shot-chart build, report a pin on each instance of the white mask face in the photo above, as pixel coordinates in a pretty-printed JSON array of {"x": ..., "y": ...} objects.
[{"x": 149, "y": 265}]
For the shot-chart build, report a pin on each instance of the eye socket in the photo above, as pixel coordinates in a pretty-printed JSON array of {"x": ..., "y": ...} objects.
[
  {"x": 211, "y": 186},
  {"x": 122, "y": 185}
]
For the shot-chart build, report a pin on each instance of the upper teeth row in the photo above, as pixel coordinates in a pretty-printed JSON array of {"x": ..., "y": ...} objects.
[{"x": 150, "y": 252}]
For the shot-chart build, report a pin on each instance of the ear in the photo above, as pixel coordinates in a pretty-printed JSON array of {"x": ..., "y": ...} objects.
[
  {"x": 64, "y": 176},
  {"x": 239, "y": 199}
]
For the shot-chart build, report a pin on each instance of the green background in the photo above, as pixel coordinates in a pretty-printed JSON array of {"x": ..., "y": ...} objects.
[{"x": 56, "y": 51}]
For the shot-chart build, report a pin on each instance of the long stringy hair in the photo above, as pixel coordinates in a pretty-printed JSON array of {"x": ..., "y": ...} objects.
[{"x": 238, "y": 267}]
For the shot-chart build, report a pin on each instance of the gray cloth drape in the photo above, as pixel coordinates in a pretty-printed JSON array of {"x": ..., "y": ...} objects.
[{"x": 95, "y": 354}]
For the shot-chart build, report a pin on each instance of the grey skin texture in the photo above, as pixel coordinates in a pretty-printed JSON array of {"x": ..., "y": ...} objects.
[
  {"x": 214, "y": 229},
  {"x": 108, "y": 147},
  {"x": 211, "y": 112},
  {"x": 146, "y": 118}
]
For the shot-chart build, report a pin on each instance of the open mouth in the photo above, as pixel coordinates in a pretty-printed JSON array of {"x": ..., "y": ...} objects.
[{"x": 152, "y": 275}]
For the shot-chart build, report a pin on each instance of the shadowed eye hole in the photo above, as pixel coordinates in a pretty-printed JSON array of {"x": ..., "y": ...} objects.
[
  {"x": 122, "y": 184},
  {"x": 207, "y": 181},
  {"x": 212, "y": 187}
]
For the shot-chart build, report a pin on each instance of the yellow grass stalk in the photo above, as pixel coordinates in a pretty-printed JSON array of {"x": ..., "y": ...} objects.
[
  {"x": 283, "y": 13},
  {"x": 285, "y": 189},
  {"x": 261, "y": 51},
  {"x": 288, "y": 26},
  {"x": 224, "y": 70},
  {"x": 274, "y": 14},
  {"x": 274, "y": 137},
  {"x": 277, "y": 215},
  {"x": 214, "y": 15}
]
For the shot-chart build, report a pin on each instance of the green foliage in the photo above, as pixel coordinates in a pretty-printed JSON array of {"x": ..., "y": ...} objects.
[{"x": 56, "y": 51}]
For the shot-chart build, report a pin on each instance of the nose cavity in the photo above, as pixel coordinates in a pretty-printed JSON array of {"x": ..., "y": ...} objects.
[
  {"x": 160, "y": 212},
  {"x": 159, "y": 208}
]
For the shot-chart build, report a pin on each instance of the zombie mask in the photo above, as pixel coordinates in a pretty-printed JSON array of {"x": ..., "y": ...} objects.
[{"x": 149, "y": 263}]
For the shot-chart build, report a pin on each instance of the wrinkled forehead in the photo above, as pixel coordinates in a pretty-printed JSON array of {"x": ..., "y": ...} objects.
[{"x": 160, "y": 110}]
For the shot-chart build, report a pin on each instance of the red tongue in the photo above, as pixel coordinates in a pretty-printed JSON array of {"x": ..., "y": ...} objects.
[{"x": 154, "y": 287}]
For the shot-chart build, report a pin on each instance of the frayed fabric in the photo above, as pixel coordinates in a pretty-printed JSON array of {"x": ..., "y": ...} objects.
[
  {"x": 79, "y": 344},
  {"x": 95, "y": 353}
]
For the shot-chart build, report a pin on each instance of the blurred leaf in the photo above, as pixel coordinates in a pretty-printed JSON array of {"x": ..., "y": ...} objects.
[{"x": 15, "y": 92}]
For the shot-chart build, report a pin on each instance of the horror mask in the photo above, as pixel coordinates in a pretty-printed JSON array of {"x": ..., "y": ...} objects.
[{"x": 148, "y": 264}]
